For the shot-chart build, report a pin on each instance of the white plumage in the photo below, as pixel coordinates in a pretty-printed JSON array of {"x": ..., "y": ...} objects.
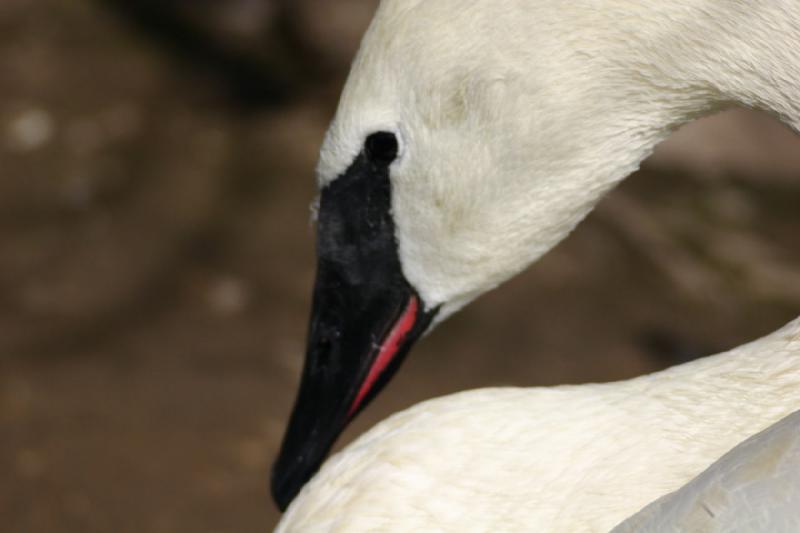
[
  {"x": 754, "y": 488},
  {"x": 515, "y": 117}
]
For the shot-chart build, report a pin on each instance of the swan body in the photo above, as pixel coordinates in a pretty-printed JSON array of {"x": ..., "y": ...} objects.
[
  {"x": 570, "y": 458},
  {"x": 755, "y": 487},
  {"x": 471, "y": 137}
]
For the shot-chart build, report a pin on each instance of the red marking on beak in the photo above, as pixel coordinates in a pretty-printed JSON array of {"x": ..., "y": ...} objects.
[{"x": 388, "y": 350}]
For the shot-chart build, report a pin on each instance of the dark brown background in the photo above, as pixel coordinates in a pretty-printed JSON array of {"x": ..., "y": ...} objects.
[{"x": 156, "y": 168}]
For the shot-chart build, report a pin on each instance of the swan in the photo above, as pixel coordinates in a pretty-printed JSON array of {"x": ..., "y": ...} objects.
[{"x": 471, "y": 137}]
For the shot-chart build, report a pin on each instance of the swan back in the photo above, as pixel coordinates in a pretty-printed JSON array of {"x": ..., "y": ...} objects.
[{"x": 570, "y": 458}]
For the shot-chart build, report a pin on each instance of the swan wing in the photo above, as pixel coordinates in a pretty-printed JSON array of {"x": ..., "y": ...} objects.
[{"x": 754, "y": 487}]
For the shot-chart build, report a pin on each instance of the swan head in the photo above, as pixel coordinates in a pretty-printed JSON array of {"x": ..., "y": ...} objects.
[{"x": 451, "y": 165}]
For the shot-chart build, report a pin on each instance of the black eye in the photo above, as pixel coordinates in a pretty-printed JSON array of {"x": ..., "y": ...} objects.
[{"x": 382, "y": 147}]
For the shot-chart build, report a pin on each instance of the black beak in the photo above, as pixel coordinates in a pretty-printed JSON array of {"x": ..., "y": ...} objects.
[{"x": 364, "y": 319}]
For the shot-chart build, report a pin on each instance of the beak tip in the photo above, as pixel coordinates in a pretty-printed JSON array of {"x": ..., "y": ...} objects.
[{"x": 284, "y": 487}]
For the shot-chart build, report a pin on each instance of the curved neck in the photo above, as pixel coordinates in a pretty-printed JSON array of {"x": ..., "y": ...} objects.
[
  {"x": 750, "y": 52},
  {"x": 642, "y": 69},
  {"x": 726, "y": 52}
]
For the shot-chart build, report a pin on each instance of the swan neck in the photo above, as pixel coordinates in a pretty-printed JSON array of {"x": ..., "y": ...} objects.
[{"x": 747, "y": 53}]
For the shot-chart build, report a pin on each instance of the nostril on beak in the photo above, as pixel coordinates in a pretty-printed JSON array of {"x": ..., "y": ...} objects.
[{"x": 326, "y": 346}]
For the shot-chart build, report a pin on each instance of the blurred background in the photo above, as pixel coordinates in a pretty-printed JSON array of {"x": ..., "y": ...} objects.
[{"x": 156, "y": 259}]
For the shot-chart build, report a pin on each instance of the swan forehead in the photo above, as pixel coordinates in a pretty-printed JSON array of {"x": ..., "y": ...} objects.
[{"x": 411, "y": 74}]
